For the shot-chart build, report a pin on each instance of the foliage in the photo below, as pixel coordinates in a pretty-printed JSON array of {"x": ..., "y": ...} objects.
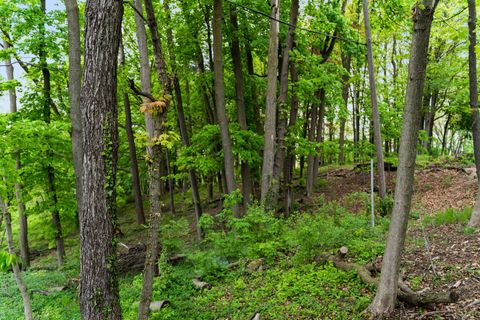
[{"x": 449, "y": 216}]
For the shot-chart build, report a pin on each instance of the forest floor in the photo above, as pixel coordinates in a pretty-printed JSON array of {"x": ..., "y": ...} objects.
[{"x": 441, "y": 254}]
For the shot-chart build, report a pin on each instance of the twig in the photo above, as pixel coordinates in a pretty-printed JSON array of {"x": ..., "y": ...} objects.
[
  {"x": 427, "y": 248},
  {"x": 137, "y": 91}
]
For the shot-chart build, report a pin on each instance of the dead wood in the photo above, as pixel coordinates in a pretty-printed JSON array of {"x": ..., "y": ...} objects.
[{"x": 405, "y": 294}]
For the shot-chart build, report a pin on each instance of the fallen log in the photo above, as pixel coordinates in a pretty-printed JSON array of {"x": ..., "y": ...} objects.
[{"x": 405, "y": 294}]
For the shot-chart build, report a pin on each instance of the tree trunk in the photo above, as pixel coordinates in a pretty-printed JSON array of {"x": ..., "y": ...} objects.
[
  {"x": 46, "y": 114},
  {"x": 290, "y": 161},
  {"x": 27, "y": 309},
  {"x": 270, "y": 109},
  {"x": 132, "y": 151},
  {"x": 12, "y": 95},
  {"x": 312, "y": 138},
  {"x": 99, "y": 298},
  {"x": 74, "y": 87},
  {"x": 240, "y": 102},
  {"x": 154, "y": 124},
  {"x": 182, "y": 123},
  {"x": 319, "y": 138},
  {"x": 385, "y": 299},
  {"x": 220, "y": 97},
  {"x": 279, "y": 164},
  {"x": 472, "y": 63},
  {"x": 375, "y": 114},
  {"x": 346, "y": 63}
]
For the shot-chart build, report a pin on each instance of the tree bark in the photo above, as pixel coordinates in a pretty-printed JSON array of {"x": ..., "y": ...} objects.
[
  {"x": 270, "y": 109},
  {"x": 42, "y": 54},
  {"x": 27, "y": 309},
  {"x": 375, "y": 114},
  {"x": 472, "y": 64},
  {"x": 240, "y": 101},
  {"x": 220, "y": 97},
  {"x": 23, "y": 223},
  {"x": 99, "y": 297},
  {"x": 74, "y": 87},
  {"x": 385, "y": 299}
]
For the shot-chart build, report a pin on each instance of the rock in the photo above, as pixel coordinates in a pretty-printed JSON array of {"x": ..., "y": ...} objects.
[{"x": 254, "y": 265}]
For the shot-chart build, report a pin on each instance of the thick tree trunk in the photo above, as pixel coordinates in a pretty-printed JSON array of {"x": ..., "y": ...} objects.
[
  {"x": 181, "y": 121},
  {"x": 74, "y": 87},
  {"x": 240, "y": 102},
  {"x": 27, "y": 309},
  {"x": 270, "y": 109},
  {"x": 99, "y": 298},
  {"x": 375, "y": 114},
  {"x": 386, "y": 296},
  {"x": 279, "y": 164},
  {"x": 12, "y": 96},
  {"x": 220, "y": 97},
  {"x": 50, "y": 170},
  {"x": 472, "y": 63}
]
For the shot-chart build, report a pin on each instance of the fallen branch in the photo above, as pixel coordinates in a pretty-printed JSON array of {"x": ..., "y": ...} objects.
[{"x": 404, "y": 294}]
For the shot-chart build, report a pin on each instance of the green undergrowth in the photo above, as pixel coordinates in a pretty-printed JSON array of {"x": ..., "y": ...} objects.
[
  {"x": 293, "y": 278},
  {"x": 449, "y": 216}
]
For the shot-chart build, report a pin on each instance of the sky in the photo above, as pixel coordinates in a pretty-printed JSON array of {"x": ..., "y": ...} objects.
[{"x": 4, "y": 103}]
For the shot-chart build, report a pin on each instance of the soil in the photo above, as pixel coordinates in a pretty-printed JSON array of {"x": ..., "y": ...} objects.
[{"x": 436, "y": 257}]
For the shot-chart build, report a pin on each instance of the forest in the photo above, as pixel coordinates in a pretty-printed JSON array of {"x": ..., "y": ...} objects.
[{"x": 239, "y": 159}]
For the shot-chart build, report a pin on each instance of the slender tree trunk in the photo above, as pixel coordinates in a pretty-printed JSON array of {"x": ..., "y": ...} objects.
[
  {"x": 385, "y": 299},
  {"x": 181, "y": 121},
  {"x": 375, "y": 114},
  {"x": 154, "y": 121},
  {"x": 99, "y": 297},
  {"x": 279, "y": 164},
  {"x": 12, "y": 96},
  {"x": 472, "y": 63},
  {"x": 319, "y": 138},
  {"x": 270, "y": 109},
  {"x": 220, "y": 97},
  {"x": 240, "y": 102},
  {"x": 346, "y": 63},
  {"x": 27, "y": 309},
  {"x": 74, "y": 87},
  {"x": 132, "y": 151},
  {"x": 290, "y": 161},
  {"x": 312, "y": 138},
  {"x": 46, "y": 114}
]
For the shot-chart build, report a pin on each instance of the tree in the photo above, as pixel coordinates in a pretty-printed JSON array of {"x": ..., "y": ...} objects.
[
  {"x": 375, "y": 113},
  {"x": 279, "y": 163},
  {"x": 386, "y": 295},
  {"x": 47, "y": 96},
  {"x": 154, "y": 116},
  {"x": 472, "y": 64},
  {"x": 23, "y": 223},
  {"x": 240, "y": 101},
  {"x": 98, "y": 284},
  {"x": 27, "y": 309},
  {"x": 270, "y": 108},
  {"x": 220, "y": 97},
  {"x": 74, "y": 87}
]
